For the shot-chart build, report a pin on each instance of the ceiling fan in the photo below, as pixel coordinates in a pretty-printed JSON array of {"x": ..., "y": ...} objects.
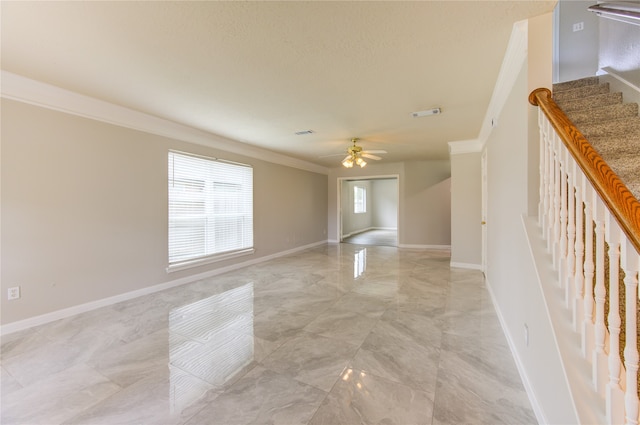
[{"x": 356, "y": 155}]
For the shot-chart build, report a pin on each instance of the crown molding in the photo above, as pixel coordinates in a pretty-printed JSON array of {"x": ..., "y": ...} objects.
[
  {"x": 511, "y": 64},
  {"x": 22, "y": 89}
]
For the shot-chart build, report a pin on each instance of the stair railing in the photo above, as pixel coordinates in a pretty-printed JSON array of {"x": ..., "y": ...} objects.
[{"x": 591, "y": 222}]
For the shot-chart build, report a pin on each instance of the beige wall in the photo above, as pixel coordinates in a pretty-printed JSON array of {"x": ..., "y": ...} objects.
[
  {"x": 619, "y": 49},
  {"x": 84, "y": 209},
  {"x": 385, "y": 203},
  {"x": 466, "y": 210},
  {"x": 511, "y": 275},
  {"x": 577, "y": 55}
]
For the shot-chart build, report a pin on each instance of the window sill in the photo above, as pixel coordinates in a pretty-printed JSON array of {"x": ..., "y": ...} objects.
[{"x": 184, "y": 265}]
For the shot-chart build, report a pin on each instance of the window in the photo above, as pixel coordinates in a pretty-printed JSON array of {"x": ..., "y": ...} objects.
[
  {"x": 210, "y": 209},
  {"x": 359, "y": 200}
]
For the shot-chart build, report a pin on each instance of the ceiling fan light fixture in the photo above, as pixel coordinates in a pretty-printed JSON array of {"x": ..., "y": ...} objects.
[{"x": 355, "y": 155}]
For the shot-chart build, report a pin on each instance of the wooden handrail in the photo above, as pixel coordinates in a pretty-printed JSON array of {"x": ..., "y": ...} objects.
[{"x": 615, "y": 194}]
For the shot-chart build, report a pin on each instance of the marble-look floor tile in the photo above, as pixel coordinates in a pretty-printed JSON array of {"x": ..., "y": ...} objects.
[
  {"x": 262, "y": 397},
  {"x": 360, "y": 398},
  {"x": 337, "y": 334},
  {"x": 40, "y": 362},
  {"x": 295, "y": 302},
  {"x": 342, "y": 324},
  {"x": 484, "y": 356},
  {"x": 409, "y": 364},
  {"x": 476, "y": 324},
  {"x": 127, "y": 362},
  {"x": 277, "y": 326},
  {"x": 468, "y": 394},
  {"x": 312, "y": 359},
  {"x": 19, "y": 342},
  {"x": 383, "y": 289},
  {"x": 162, "y": 397},
  {"x": 397, "y": 325},
  {"x": 8, "y": 383},
  {"x": 57, "y": 398},
  {"x": 362, "y": 304}
]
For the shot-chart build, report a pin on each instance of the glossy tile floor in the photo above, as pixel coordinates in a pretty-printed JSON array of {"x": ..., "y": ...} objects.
[
  {"x": 374, "y": 237},
  {"x": 339, "y": 334}
]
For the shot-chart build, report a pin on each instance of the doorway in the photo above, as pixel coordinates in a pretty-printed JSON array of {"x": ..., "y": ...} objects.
[{"x": 369, "y": 210}]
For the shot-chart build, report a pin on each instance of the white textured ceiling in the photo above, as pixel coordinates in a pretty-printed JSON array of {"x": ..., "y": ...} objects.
[{"x": 257, "y": 72}]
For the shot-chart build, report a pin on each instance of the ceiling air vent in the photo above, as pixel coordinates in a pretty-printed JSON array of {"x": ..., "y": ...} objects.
[
  {"x": 300, "y": 133},
  {"x": 434, "y": 111}
]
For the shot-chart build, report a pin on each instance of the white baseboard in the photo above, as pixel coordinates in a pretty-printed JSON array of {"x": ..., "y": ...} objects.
[
  {"x": 466, "y": 265},
  {"x": 104, "y": 302},
  {"x": 535, "y": 404},
  {"x": 414, "y": 246},
  {"x": 617, "y": 83}
]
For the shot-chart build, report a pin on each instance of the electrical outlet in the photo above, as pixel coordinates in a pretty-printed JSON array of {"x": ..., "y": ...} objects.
[
  {"x": 13, "y": 293},
  {"x": 579, "y": 26}
]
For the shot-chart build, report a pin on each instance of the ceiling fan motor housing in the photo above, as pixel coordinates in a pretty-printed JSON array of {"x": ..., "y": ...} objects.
[{"x": 354, "y": 149}]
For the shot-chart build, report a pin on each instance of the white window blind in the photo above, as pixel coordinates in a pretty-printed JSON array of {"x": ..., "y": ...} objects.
[{"x": 210, "y": 208}]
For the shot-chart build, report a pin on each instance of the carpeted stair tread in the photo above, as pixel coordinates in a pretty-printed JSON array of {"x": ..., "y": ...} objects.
[
  {"x": 610, "y": 112},
  {"x": 610, "y": 128},
  {"x": 597, "y": 101},
  {"x": 581, "y": 92},
  {"x": 568, "y": 85},
  {"x": 628, "y": 169},
  {"x": 611, "y": 148}
]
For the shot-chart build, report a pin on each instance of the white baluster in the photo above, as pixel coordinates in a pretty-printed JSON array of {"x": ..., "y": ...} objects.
[
  {"x": 543, "y": 173},
  {"x": 556, "y": 202},
  {"x": 578, "y": 278},
  {"x": 588, "y": 330},
  {"x": 562, "y": 250},
  {"x": 630, "y": 263},
  {"x": 571, "y": 234},
  {"x": 599, "y": 355},
  {"x": 615, "y": 395},
  {"x": 551, "y": 186}
]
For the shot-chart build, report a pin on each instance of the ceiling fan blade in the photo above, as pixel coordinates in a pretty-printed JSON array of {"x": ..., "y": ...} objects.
[
  {"x": 329, "y": 156},
  {"x": 374, "y": 151},
  {"x": 368, "y": 155},
  {"x": 346, "y": 157}
]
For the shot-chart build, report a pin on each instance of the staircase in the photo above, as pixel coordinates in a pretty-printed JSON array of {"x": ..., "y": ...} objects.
[
  {"x": 597, "y": 263},
  {"x": 611, "y": 126}
]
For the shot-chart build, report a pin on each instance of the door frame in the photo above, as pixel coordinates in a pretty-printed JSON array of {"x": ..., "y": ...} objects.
[
  {"x": 340, "y": 180},
  {"x": 484, "y": 208}
]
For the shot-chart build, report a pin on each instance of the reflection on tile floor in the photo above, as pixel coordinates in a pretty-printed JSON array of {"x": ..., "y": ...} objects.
[
  {"x": 339, "y": 334},
  {"x": 374, "y": 237}
]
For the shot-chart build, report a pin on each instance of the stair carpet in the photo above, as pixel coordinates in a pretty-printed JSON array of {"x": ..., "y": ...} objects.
[{"x": 611, "y": 126}]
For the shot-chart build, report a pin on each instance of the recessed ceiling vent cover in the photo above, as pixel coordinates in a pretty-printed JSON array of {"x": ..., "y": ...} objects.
[
  {"x": 300, "y": 133},
  {"x": 434, "y": 111}
]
